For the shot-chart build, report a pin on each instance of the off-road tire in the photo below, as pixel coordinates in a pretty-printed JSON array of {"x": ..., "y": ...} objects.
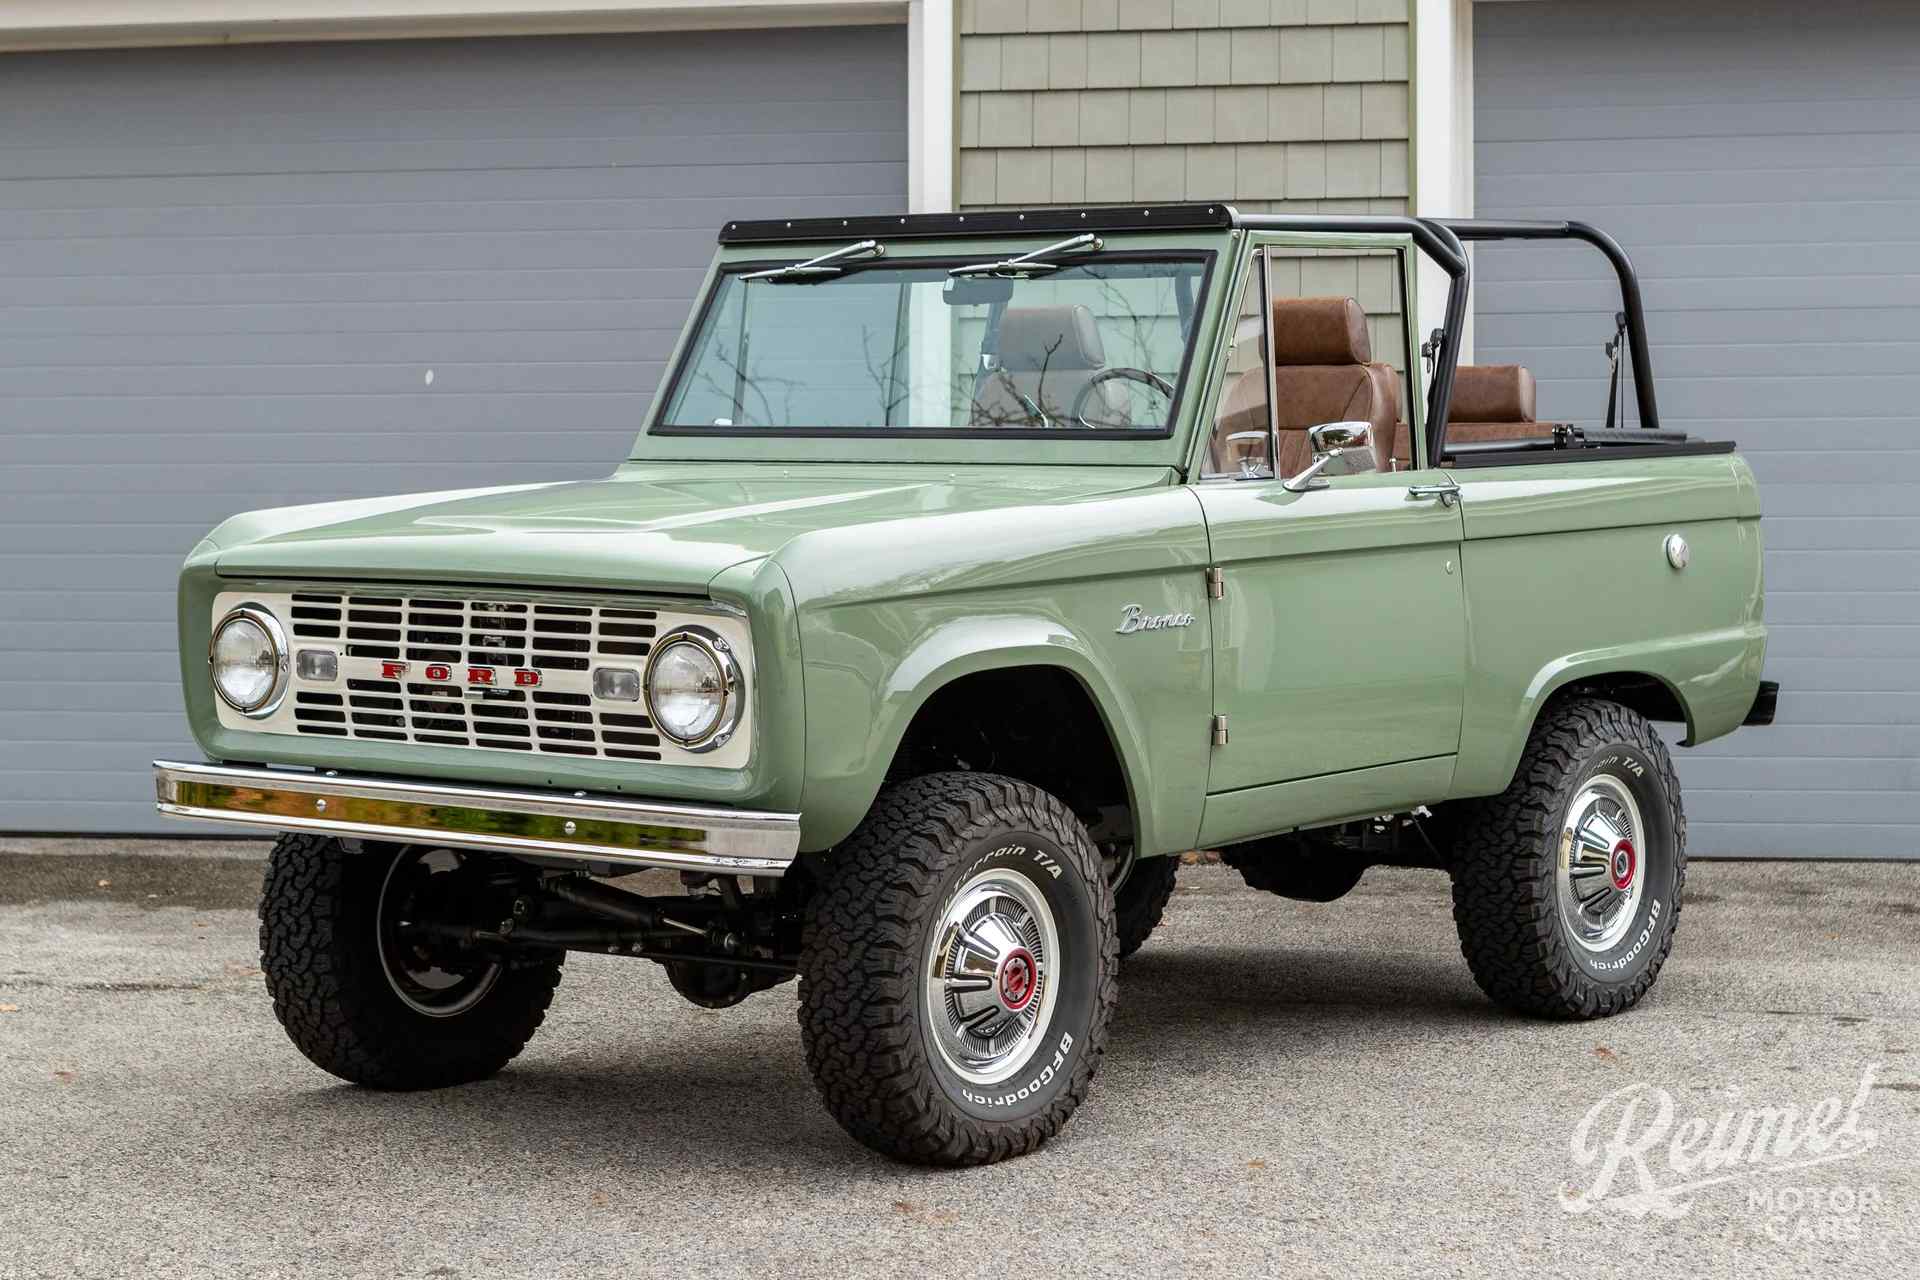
[
  {"x": 1142, "y": 901},
  {"x": 1506, "y": 858},
  {"x": 322, "y": 965},
  {"x": 864, "y": 1014}
]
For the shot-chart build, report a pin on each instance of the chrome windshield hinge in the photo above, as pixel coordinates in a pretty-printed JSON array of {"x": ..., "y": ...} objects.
[
  {"x": 1219, "y": 731},
  {"x": 1216, "y": 582}
]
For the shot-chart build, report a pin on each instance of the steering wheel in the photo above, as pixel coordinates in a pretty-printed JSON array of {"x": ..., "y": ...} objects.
[{"x": 1119, "y": 373}]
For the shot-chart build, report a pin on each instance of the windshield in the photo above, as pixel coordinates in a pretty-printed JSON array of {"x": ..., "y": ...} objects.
[{"x": 1097, "y": 345}]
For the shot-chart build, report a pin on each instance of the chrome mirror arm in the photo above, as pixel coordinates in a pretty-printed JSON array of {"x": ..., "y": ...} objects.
[
  {"x": 1329, "y": 441},
  {"x": 1309, "y": 479}
]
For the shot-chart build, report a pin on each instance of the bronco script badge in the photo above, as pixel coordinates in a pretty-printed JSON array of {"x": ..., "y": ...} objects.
[{"x": 1135, "y": 618}]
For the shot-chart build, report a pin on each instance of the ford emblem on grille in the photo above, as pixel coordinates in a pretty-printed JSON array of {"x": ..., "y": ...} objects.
[{"x": 475, "y": 677}]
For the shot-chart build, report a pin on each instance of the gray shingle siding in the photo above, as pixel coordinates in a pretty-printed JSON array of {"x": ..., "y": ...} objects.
[{"x": 1274, "y": 104}]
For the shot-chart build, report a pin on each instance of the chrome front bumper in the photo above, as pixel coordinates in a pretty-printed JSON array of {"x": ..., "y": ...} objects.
[{"x": 575, "y": 825}]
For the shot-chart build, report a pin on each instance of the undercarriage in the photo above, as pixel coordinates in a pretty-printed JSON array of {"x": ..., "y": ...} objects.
[{"x": 721, "y": 938}]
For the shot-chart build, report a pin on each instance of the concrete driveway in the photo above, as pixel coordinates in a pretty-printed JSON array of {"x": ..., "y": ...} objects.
[{"x": 1290, "y": 1089}]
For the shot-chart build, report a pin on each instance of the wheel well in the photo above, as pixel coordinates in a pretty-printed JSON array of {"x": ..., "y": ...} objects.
[
  {"x": 1038, "y": 724},
  {"x": 1649, "y": 695}
]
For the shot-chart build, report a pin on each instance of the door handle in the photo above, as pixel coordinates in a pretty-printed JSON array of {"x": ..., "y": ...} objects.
[{"x": 1448, "y": 493}]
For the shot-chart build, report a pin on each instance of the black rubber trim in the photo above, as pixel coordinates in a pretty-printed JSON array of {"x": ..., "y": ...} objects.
[
  {"x": 1000, "y": 222},
  {"x": 1765, "y": 701},
  {"x": 1611, "y": 453},
  {"x": 1559, "y": 442}
]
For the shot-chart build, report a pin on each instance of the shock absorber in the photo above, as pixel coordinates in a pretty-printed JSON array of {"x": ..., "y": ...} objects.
[{"x": 591, "y": 895}]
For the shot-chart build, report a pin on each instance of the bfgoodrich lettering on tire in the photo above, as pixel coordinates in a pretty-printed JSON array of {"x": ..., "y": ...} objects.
[
  {"x": 1567, "y": 886},
  {"x": 957, "y": 970}
]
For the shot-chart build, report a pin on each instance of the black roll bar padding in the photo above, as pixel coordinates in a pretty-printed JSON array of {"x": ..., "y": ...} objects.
[
  {"x": 1472, "y": 229},
  {"x": 1438, "y": 240}
]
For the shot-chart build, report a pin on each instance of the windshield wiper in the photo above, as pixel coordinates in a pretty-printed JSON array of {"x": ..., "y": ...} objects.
[
  {"x": 1028, "y": 264},
  {"x": 827, "y": 264}
]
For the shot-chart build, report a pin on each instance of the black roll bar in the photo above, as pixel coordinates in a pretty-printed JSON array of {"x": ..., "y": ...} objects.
[{"x": 1472, "y": 229}]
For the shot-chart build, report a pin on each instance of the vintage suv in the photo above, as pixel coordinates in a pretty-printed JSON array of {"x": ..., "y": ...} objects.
[{"x": 965, "y": 568}]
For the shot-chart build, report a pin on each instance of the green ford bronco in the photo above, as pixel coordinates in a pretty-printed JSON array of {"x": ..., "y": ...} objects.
[{"x": 965, "y": 568}]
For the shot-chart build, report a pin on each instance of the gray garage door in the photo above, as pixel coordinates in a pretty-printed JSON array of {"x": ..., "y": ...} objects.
[
  {"x": 1761, "y": 162},
  {"x": 245, "y": 277}
]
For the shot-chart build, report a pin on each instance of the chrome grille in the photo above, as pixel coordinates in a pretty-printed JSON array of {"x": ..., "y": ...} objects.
[{"x": 561, "y": 641}]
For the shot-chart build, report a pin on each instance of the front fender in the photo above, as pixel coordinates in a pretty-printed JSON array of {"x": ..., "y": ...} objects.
[
  {"x": 860, "y": 706},
  {"x": 892, "y": 613}
]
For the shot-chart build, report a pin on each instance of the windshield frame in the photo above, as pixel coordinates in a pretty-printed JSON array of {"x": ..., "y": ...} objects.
[{"x": 944, "y": 258}]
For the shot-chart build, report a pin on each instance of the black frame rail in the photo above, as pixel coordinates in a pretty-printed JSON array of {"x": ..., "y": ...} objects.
[{"x": 988, "y": 222}]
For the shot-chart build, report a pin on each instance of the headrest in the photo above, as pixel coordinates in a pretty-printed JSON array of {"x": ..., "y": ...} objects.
[
  {"x": 1491, "y": 393},
  {"x": 1062, "y": 337},
  {"x": 1320, "y": 331}
]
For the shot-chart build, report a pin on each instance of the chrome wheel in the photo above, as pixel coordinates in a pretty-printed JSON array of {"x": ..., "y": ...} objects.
[
  {"x": 429, "y": 978},
  {"x": 990, "y": 976},
  {"x": 1602, "y": 863}
]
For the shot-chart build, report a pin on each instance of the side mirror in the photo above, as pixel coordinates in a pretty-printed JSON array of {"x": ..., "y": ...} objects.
[
  {"x": 1336, "y": 437},
  {"x": 1329, "y": 441},
  {"x": 1251, "y": 466}
]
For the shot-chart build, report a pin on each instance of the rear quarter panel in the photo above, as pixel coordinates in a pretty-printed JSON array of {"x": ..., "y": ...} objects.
[{"x": 1567, "y": 577}]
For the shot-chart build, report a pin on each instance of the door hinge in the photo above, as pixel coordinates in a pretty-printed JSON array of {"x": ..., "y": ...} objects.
[
  {"x": 1216, "y": 582},
  {"x": 1219, "y": 731}
]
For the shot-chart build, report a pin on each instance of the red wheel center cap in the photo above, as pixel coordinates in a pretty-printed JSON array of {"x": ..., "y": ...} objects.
[
  {"x": 1624, "y": 863},
  {"x": 1018, "y": 978}
]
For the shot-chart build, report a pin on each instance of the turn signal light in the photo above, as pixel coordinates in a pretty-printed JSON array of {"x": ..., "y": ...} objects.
[{"x": 616, "y": 684}]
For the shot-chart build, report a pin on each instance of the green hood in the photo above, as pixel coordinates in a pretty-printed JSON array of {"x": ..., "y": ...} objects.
[{"x": 667, "y": 527}]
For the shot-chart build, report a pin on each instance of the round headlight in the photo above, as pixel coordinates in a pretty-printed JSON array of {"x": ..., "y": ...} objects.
[
  {"x": 249, "y": 661},
  {"x": 693, "y": 689}
]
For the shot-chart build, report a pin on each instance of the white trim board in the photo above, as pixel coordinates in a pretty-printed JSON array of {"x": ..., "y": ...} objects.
[
  {"x": 931, "y": 151},
  {"x": 1442, "y": 137}
]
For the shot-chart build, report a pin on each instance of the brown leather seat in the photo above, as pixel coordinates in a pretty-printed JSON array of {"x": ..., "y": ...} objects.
[
  {"x": 1047, "y": 355},
  {"x": 1325, "y": 373},
  {"x": 1490, "y": 402}
]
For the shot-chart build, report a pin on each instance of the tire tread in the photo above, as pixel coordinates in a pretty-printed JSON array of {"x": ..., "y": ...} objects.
[
  {"x": 1142, "y": 901},
  {"x": 331, "y": 995},
  {"x": 859, "y": 969},
  {"x": 1503, "y": 876}
]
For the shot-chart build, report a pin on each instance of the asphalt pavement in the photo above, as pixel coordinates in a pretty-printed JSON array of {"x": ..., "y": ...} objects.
[{"x": 1290, "y": 1090}]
